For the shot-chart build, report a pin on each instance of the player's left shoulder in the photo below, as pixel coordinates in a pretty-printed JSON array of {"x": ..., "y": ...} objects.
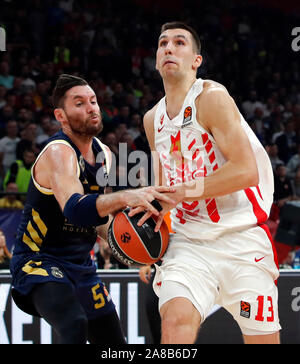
[
  {"x": 213, "y": 92},
  {"x": 210, "y": 86},
  {"x": 215, "y": 105},
  {"x": 214, "y": 98}
]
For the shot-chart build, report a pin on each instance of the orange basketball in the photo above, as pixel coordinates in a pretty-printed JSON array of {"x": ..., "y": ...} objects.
[{"x": 137, "y": 245}]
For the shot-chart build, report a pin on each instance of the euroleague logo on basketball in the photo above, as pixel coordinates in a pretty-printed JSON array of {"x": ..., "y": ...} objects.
[{"x": 125, "y": 237}]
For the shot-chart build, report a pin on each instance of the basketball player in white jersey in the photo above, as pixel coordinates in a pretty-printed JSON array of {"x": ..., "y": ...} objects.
[{"x": 221, "y": 252}]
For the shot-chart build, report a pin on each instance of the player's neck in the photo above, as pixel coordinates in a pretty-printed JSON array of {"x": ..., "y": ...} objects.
[
  {"x": 83, "y": 143},
  {"x": 176, "y": 91}
]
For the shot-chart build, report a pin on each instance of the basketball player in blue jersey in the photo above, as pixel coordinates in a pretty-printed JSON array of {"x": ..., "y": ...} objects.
[
  {"x": 53, "y": 275},
  {"x": 221, "y": 252}
]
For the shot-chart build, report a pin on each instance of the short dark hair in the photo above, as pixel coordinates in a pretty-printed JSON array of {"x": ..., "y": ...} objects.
[
  {"x": 182, "y": 25},
  {"x": 63, "y": 84}
]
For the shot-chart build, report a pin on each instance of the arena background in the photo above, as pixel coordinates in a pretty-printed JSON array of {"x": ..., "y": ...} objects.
[{"x": 252, "y": 47}]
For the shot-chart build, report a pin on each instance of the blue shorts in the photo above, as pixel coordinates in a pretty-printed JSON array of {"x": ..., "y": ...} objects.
[{"x": 32, "y": 269}]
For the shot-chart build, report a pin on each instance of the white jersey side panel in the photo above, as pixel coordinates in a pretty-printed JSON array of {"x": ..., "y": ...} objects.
[{"x": 188, "y": 152}]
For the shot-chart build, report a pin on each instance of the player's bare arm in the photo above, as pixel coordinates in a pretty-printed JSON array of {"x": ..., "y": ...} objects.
[
  {"x": 57, "y": 170},
  {"x": 218, "y": 114}
]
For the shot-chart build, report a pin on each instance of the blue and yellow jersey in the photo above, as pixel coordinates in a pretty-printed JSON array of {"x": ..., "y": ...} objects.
[{"x": 43, "y": 227}]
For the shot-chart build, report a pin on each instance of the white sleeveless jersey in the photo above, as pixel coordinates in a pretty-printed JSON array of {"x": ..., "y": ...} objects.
[{"x": 188, "y": 152}]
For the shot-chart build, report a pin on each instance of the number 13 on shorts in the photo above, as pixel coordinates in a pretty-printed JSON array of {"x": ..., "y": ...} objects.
[{"x": 265, "y": 309}]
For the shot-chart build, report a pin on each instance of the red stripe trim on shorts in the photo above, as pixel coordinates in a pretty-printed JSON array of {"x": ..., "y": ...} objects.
[{"x": 267, "y": 231}]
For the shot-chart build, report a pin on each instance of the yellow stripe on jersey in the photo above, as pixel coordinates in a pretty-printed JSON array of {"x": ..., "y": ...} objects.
[
  {"x": 94, "y": 188},
  {"x": 34, "y": 234},
  {"x": 43, "y": 190},
  {"x": 34, "y": 270},
  {"x": 37, "y": 219},
  {"x": 30, "y": 243}
]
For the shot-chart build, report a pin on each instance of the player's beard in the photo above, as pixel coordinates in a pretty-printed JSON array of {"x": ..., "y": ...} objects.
[{"x": 86, "y": 128}]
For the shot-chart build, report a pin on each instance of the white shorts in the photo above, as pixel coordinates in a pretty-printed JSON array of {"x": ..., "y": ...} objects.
[{"x": 236, "y": 271}]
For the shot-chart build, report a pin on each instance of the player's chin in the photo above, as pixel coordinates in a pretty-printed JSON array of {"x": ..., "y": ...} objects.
[
  {"x": 94, "y": 129},
  {"x": 169, "y": 72}
]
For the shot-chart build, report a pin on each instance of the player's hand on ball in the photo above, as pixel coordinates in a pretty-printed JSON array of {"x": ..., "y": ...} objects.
[
  {"x": 164, "y": 208},
  {"x": 140, "y": 199}
]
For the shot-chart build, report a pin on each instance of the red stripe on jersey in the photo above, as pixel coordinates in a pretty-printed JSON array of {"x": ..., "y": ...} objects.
[
  {"x": 212, "y": 210},
  {"x": 258, "y": 190},
  {"x": 211, "y": 205},
  {"x": 190, "y": 206},
  {"x": 208, "y": 147},
  {"x": 204, "y": 138},
  {"x": 192, "y": 144},
  {"x": 196, "y": 153},
  {"x": 260, "y": 214},
  {"x": 212, "y": 157},
  {"x": 179, "y": 215}
]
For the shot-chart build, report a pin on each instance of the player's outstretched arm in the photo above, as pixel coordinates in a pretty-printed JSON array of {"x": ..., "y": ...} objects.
[
  {"x": 57, "y": 170},
  {"x": 136, "y": 198}
]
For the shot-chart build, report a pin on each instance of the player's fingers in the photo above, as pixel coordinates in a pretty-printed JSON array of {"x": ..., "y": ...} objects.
[
  {"x": 144, "y": 279},
  {"x": 158, "y": 223},
  {"x": 150, "y": 207},
  {"x": 143, "y": 276},
  {"x": 165, "y": 189},
  {"x": 157, "y": 205},
  {"x": 135, "y": 210},
  {"x": 144, "y": 205},
  {"x": 148, "y": 278},
  {"x": 144, "y": 218},
  {"x": 163, "y": 197}
]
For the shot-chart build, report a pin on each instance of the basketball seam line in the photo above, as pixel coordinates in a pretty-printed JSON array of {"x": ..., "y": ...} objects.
[{"x": 142, "y": 240}]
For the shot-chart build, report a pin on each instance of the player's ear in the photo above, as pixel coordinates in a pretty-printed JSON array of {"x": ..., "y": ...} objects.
[
  {"x": 59, "y": 114},
  {"x": 197, "y": 61}
]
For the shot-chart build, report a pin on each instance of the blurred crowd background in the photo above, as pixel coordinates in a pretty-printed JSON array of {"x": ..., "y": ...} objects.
[{"x": 246, "y": 46}]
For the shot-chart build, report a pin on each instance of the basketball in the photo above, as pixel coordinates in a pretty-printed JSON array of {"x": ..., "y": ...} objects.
[{"x": 137, "y": 245}]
